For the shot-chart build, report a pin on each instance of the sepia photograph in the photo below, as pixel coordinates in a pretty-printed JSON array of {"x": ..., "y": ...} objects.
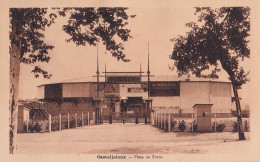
[{"x": 130, "y": 81}]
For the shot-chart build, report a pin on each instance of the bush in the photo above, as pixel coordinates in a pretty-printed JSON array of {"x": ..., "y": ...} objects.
[
  {"x": 195, "y": 126},
  {"x": 235, "y": 127},
  {"x": 182, "y": 126},
  {"x": 220, "y": 127},
  {"x": 246, "y": 126},
  {"x": 37, "y": 127},
  {"x": 173, "y": 123}
]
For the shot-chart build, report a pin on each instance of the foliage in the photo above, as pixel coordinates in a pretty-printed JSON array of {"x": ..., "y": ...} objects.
[
  {"x": 220, "y": 127},
  {"x": 182, "y": 126},
  {"x": 94, "y": 25},
  {"x": 219, "y": 37},
  {"x": 27, "y": 28},
  {"x": 33, "y": 127},
  {"x": 85, "y": 26}
]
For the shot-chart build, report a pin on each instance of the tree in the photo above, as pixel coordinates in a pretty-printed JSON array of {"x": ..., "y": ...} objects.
[
  {"x": 27, "y": 45},
  {"x": 219, "y": 38}
]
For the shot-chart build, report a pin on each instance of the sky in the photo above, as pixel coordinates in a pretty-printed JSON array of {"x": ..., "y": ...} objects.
[{"x": 152, "y": 24}]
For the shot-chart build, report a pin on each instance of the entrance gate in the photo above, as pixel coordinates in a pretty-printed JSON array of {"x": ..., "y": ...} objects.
[{"x": 131, "y": 110}]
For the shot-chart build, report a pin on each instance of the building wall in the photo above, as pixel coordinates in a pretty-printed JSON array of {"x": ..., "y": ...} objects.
[
  {"x": 218, "y": 94},
  {"x": 75, "y": 90},
  {"x": 166, "y": 101},
  {"x": 194, "y": 93},
  {"x": 40, "y": 92},
  {"x": 23, "y": 116},
  {"x": 137, "y": 91}
]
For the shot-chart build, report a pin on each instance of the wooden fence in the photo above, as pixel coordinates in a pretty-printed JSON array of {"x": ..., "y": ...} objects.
[{"x": 170, "y": 122}]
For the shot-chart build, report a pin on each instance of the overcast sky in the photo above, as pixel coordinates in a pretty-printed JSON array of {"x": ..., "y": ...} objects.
[{"x": 152, "y": 24}]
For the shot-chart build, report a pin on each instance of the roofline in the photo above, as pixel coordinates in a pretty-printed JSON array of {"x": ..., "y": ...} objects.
[{"x": 142, "y": 81}]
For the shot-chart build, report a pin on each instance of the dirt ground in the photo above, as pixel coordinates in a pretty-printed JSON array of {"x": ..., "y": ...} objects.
[{"x": 128, "y": 139}]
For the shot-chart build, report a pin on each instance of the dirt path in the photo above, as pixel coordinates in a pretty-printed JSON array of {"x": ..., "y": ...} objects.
[{"x": 127, "y": 139}]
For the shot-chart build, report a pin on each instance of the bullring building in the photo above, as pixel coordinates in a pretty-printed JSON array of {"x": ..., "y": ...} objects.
[{"x": 133, "y": 92}]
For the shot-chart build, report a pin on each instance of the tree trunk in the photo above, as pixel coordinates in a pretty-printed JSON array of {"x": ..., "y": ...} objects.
[
  {"x": 241, "y": 134},
  {"x": 14, "y": 73}
]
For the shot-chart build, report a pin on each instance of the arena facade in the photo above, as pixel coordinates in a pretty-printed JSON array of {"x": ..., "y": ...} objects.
[{"x": 132, "y": 92}]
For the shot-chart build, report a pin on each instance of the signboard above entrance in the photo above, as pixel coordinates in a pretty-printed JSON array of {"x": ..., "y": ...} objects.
[{"x": 123, "y": 79}]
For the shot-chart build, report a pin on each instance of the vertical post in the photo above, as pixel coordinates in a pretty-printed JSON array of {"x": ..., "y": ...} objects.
[
  {"x": 68, "y": 121},
  {"x": 101, "y": 120},
  {"x": 136, "y": 118},
  {"x": 145, "y": 112},
  {"x": 49, "y": 123},
  {"x": 60, "y": 122},
  {"x": 94, "y": 119},
  {"x": 76, "y": 121},
  {"x": 82, "y": 119},
  {"x": 152, "y": 118},
  {"x": 27, "y": 125},
  {"x": 161, "y": 121},
  {"x": 157, "y": 120},
  {"x": 88, "y": 119},
  {"x": 169, "y": 122},
  {"x": 192, "y": 119},
  {"x": 165, "y": 121},
  {"x": 215, "y": 125}
]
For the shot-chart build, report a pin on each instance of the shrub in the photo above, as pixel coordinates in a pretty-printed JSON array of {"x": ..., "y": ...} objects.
[
  {"x": 182, "y": 126},
  {"x": 173, "y": 123},
  {"x": 235, "y": 127},
  {"x": 195, "y": 126},
  {"x": 220, "y": 127},
  {"x": 246, "y": 126},
  {"x": 37, "y": 127}
]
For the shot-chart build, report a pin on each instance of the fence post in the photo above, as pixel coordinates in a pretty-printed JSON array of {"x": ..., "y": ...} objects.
[
  {"x": 50, "y": 123},
  {"x": 88, "y": 118},
  {"x": 169, "y": 122},
  {"x": 76, "y": 121},
  {"x": 94, "y": 119},
  {"x": 165, "y": 121},
  {"x": 192, "y": 122},
  {"x": 82, "y": 119},
  {"x": 160, "y": 121},
  {"x": 215, "y": 125},
  {"x": 156, "y": 119},
  {"x": 68, "y": 120},
  {"x": 60, "y": 122}
]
